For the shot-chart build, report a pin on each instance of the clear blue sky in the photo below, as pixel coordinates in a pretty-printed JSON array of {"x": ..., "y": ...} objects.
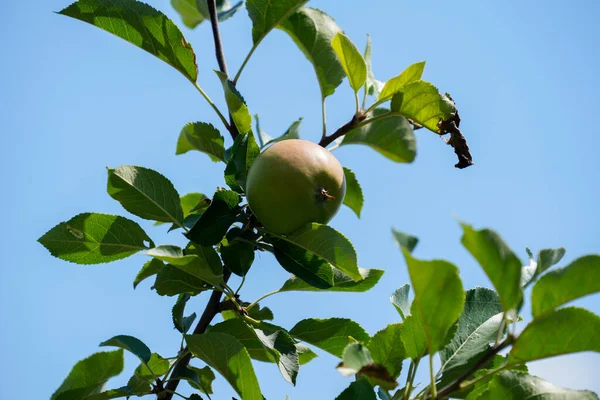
[{"x": 74, "y": 100}]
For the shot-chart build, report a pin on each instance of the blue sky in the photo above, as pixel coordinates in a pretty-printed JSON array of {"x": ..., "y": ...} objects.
[{"x": 74, "y": 100}]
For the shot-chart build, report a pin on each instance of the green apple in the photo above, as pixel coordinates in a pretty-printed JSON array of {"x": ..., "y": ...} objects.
[{"x": 295, "y": 182}]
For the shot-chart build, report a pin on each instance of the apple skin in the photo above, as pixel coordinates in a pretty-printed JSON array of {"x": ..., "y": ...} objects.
[{"x": 292, "y": 183}]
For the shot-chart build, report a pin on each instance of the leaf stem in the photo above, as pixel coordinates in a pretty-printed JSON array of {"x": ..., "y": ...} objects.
[
  {"x": 221, "y": 116},
  {"x": 432, "y": 377},
  {"x": 407, "y": 389},
  {"x": 324, "y": 116},
  {"x": 357, "y": 101},
  {"x": 255, "y": 302},
  {"x": 237, "y": 76}
]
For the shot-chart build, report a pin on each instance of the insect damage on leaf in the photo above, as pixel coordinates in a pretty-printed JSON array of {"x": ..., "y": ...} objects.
[{"x": 457, "y": 139}]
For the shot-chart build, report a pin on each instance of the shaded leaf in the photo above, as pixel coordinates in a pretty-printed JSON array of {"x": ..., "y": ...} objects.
[
  {"x": 327, "y": 243},
  {"x": 305, "y": 265},
  {"x": 171, "y": 281},
  {"x": 394, "y": 85},
  {"x": 293, "y": 132},
  {"x": 131, "y": 344},
  {"x": 392, "y": 137},
  {"x": 305, "y": 354},
  {"x": 145, "y": 193},
  {"x": 89, "y": 375},
  {"x": 331, "y": 335},
  {"x": 92, "y": 238},
  {"x": 387, "y": 349},
  {"x": 341, "y": 282},
  {"x": 266, "y": 15},
  {"x": 243, "y": 153},
  {"x": 498, "y": 261},
  {"x": 548, "y": 258},
  {"x": 578, "y": 279},
  {"x": 236, "y": 105},
  {"x": 238, "y": 255},
  {"x": 202, "y": 137},
  {"x": 360, "y": 389},
  {"x": 216, "y": 220},
  {"x": 182, "y": 324},
  {"x": 478, "y": 326},
  {"x": 373, "y": 86},
  {"x": 400, "y": 300},
  {"x": 157, "y": 366},
  {"x": 357, "y": 360},
  {"x": 228, "y": 356},
  {"x": 352, "y": 61},
  {"x": 205, "y": 379},
  {"x": 421, "y": 102},
  {"x": 141, "y": 25},
  {"x": 194, "y": 12},
  {"x": 149, "y": 269},
  {"x": 564, "y": 331},
  {"x": 512, "y": 385},
  {"x": 405, "y": 240},
  {"x": 313, "y": 30},
  {"x": 354, "y": 195},
  {"x": 439, "y": 297},
  {"x": 200, "y": 262}
]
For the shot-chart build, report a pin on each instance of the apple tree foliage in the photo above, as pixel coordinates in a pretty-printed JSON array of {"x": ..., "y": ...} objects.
[{"x": 471, "y": 331}]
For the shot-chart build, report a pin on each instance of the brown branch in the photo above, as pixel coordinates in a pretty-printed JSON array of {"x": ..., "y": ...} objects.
[
  {"x": 455, "y": 386},
  {"x": 347, "y": 127},
  {"x": 213, "y": 307},
  {"x": 220, "y": 54}
]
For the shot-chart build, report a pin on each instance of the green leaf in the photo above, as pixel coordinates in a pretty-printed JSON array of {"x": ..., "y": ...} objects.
[
  {"x": 357, "y": 360},
  {"x": 305, "y": 354},
  {"x": 564, "y": 331},
  {"x": 205, "y": 379},
  {"x": 305, "y": 265},
  {"x": 478, "y": 326},
  {"x": 354, "y": 195},
  {"x": 510, "y": 385},
  {"x": 293, "y": 132},
  {"x": 200, "y": 262},
  {"x": 439, "y": 297},
  {"x": 263, "y": 137},
  {"x": 405, "y": 240},
  {"x": 360, "y": 389},
  {"x": 313, "y": 30},
  {"x": 387, "y": 349},
  {"x": 578, "y": 279},
  {"x": 238, "y": 255},
  {"x": 157, "y": 366},
  {"x": 331, "y": 334},
  {"x": 145, "y": 193},
  {"x": 141, "y": 25},
  {"x": 498, "y": 261},
  {"x": 202, "y": 137},
  {"x": 216, "y": 220},
  {"x": 421, "y": 102},
  {"x": 182, "y": 324},
  {"x": 131, "y": 344},
  {"x": 411, "y": 74},
  {"x": 373, "y": 86},
  {"x": 172, "y": 281},
  {"x": 246, "y": 335},
  {"x": 352, "y": 61},
  {"x": 414, "y": 338},
  {"x": 193, "y": 205},
  {"x": 548, "y": 258},
  {"x": 228, "y": 356},
  {"x": 244, "y": 152},
  {"x": 236, "y": 105},
  {"x": 92, "y": 238},
  {"x": 194, "y": 12},
  {"x": 284, "y": 348},
  {"x": 341, "y": 282},
  {"x": 89, "y": 375},
  {"x": 392, "y": 137},
  {"x": 400, "y": 301},
  {"x": 327, "y": 243},
  {"x": 266, "y": 15},
  {"x": 149, "y": 269}
]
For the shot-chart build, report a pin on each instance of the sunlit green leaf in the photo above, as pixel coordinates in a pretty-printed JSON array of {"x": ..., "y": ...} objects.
[
  {"x": 266, "y": 15},
  {"x": 92, "y": 238},
  {"x": 202, "y": 137},
  {"x": 341, "y": 282},
  {"x": 394, "y": 85},
  {"x": 313, "y": 30},
  {"x": 578, "y": 279},
  {"x": 236, "y": 105},
  {"x": 200, "y": 262},
  {"x": 141, "y": 25},
  {"x": 331, "y": 335},
  {"x": 354, "y": 195},
  {"x": 172, "y": 281},
  {"x": 352, "y": 61},
  {"x": 387, "y": 348}
]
